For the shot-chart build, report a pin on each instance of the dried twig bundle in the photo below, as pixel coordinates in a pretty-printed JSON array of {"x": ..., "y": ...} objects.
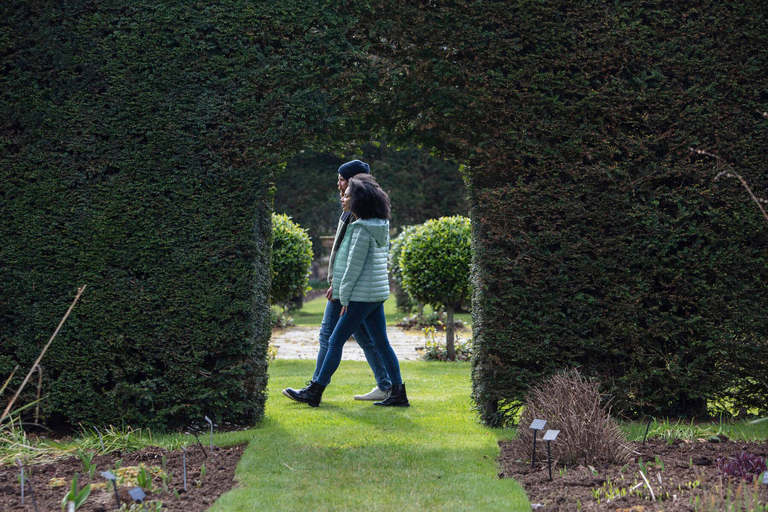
[{"x": 573, "y": 405}]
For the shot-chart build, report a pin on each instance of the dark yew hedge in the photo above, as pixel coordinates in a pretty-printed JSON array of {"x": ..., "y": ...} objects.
[
  {"x": 600, "y": 241},
  {"x": 139, "y": 143}
]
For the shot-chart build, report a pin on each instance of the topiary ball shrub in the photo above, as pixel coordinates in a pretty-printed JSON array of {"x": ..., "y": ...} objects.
[
  {"x": 403, "y": 301},
  {"x": 435, "y": 262},
  {"x": 291, "y": 260},
  {"x": 573, "y": 405}
]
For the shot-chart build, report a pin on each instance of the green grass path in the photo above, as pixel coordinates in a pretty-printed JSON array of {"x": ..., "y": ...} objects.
[{"x": 348, "y": 455}]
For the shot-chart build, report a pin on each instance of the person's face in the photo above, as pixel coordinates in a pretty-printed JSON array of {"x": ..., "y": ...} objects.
[
  {"x": 342, "y": 184},
  {"x": 346, "y": 199}
]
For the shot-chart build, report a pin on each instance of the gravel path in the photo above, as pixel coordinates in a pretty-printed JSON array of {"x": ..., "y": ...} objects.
[{"x": 302, "y": 343}]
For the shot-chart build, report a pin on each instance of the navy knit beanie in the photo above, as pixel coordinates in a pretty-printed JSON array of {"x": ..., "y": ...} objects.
[{"x": 349, "y": 169}]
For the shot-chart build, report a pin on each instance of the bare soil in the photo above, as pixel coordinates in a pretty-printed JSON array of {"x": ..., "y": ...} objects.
[
  {"x": 51, "y": 481},
  {"x": 677, "y": 473}
]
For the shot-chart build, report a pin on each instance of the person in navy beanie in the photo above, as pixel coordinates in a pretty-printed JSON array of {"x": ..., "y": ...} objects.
[
  {"x": 351, "y": 168},
  {"x": 333, "y": 307}
]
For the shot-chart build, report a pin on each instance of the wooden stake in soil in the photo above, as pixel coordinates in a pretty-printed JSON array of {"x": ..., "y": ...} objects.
[{"x": 37, "y": 362}]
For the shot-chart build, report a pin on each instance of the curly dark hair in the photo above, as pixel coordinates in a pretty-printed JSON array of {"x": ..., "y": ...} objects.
[{"x": 368, "y": 200}]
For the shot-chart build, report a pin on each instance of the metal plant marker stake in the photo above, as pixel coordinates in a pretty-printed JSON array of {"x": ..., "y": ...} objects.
[
  {"x": 137, "y": 494},
  {"x": 31, "y": 493},
  {"x": 765, "y": 478},
  {"x": 551, "y": 435},
  {"x": 536, "y": 425},
  {"x": 184, "y": 466},
  {"x": 112, "y": 478},
  {"x": 101, "y": 439},
  {"x": 211, "y": 425},
  {"x": 201, "y": 444},
  {"x": 18, "y": 461},
  {"x": 646, "y": 429}
]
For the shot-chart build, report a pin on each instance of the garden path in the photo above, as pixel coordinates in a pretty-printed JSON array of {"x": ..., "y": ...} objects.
[{"x": 302, "y": 343}]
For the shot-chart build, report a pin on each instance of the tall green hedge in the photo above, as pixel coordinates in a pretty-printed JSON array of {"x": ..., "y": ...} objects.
[
  {"x": 600, "y": 240},
  {"x": 139, "y": 142}
]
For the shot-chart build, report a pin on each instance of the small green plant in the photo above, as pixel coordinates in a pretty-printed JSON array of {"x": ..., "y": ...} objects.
[
  {"x": 659, "y": 463},
  {"x": 73, "y": 495},
  {"x": 144, "y": 479},
  {"x": 165, "y": 476},
  {"x": 722, "y": 496},
  {"x": 280, "y": 317},
  {"x": 436, "y": 349},
  {"x": 291, "y": 260},
  {"x": 202, "y": 471},
  {"x": 87, "y": 459},
  {"x": 150, "y": 506}
]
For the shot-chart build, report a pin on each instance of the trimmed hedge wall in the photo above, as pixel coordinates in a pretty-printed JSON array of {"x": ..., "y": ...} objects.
[
  {"x": 600, "y": 241},
  {"x": 139, "y": 142}
]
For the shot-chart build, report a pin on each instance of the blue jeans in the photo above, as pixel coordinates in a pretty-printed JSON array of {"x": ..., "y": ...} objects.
[
  {"x": 330, "y": 319},
  {"x": 369, "y": 315}
]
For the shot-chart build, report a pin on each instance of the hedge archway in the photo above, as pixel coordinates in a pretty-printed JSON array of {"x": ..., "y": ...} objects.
[{"x": 139, "y": 143}]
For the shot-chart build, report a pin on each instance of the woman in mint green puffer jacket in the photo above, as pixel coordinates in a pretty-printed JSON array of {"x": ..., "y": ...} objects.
[
  {"x": 360, "y": 269},
  {"x": 361, "y": 284}
]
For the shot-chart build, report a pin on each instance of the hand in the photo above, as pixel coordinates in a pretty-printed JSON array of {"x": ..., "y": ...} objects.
[
  {"x": 329, "y": 293},
  {"x": 343, "y": 310}
]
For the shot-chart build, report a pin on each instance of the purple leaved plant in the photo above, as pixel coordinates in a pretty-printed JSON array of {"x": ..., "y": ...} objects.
[{"x": 744, "y": 465}]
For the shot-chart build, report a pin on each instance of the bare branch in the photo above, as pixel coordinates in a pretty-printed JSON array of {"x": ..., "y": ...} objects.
[{"x": 731, "y": 173}]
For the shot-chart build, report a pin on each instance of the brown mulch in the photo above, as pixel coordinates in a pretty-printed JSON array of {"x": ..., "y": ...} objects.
[
  {"x": 676, "y": 472},
  {"x": 202, "y": 490}
]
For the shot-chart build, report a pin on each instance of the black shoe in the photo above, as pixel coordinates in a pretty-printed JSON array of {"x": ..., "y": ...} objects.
[
  {"x": 289, "y": 392},
  {"x": 309, "y": 395},
  {"x": 396, "y": 398}
]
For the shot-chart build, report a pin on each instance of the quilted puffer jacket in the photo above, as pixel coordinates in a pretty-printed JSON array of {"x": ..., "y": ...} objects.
[{"x": 360, "y": 269}]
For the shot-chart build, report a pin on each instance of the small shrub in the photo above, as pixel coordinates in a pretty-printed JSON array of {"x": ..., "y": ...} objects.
[
  {"x": 573, "y": 405},
  {"x": 435, "y": 349},
  {"x": 291, "y": 260},
  {"x": 745, "y": 465},
  {"x": 403, "y": 301},
  {"x": 279, "y": 317},
  {"x": 435, "y": 262}
]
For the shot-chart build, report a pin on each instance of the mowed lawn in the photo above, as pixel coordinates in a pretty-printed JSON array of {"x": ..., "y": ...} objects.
[{"x": 351, "y": 455}]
